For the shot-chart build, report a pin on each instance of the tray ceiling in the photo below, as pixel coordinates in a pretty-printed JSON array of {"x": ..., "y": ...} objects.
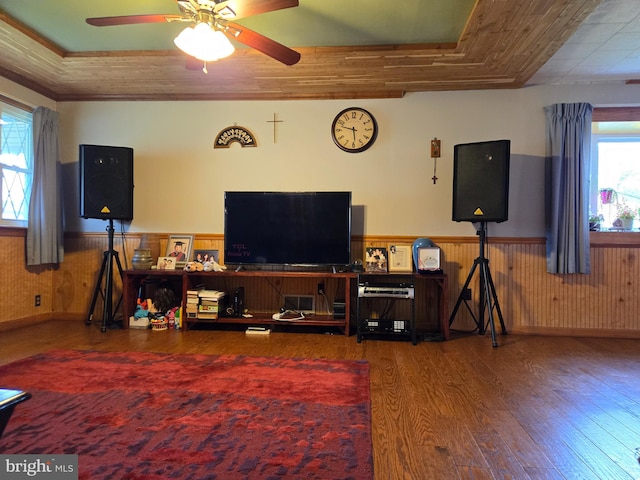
[{"x": 355, "y": 49}]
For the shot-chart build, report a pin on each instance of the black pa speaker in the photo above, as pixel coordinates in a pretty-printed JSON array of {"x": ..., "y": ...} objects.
[
  {"x": 106, "y": 182},
  {"x": 481, "y": 181}
]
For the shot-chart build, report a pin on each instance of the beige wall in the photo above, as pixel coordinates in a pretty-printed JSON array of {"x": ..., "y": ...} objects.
[{"x": 180, "y": 178}]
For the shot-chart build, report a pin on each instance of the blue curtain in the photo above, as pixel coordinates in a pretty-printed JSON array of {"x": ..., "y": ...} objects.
[
  {"x": 568, "y": 157},
  {"x": 45, "y": 229}
]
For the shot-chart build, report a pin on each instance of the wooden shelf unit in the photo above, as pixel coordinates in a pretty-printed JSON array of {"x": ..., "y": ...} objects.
[
  {"x": 263, "y": 293},
  {"x": 429, "y": 303}
]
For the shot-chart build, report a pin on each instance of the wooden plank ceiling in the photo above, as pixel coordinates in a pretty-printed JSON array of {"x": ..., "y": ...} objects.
[{"x": 503, "y": 44}]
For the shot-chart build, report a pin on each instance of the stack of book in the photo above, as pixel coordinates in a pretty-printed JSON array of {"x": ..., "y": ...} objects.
[
  {"x": 210, "y": 301},
  {"x": 191, "y": 309}
]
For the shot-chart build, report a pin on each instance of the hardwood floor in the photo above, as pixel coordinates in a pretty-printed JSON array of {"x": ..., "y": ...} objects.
[{"x": 533, "y": 408}]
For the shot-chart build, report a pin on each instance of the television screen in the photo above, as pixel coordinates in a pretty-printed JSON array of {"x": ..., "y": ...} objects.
[{"x": 287, "y": 228}]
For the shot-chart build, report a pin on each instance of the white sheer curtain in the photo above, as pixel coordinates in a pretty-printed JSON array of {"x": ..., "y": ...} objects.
[
  {"x": 45, "y": 229},
  {"x": 568, "y": 161}
]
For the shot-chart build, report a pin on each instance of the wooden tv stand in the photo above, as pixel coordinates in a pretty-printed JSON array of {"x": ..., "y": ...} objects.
[{"x": 263, "y": 293}]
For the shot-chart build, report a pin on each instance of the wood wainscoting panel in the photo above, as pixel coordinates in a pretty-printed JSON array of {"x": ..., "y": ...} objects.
[
  {"x": 603, "y": 303},
  {"x": 20, "y": 284}
]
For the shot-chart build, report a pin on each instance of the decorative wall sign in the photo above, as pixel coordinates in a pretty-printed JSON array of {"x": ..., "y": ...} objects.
[{"x": 238, "y": 134}]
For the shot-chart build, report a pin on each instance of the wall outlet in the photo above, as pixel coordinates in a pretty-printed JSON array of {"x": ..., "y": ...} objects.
[
  {"x": 321, "y": 288},
  {"x": 37, "y": 300}
]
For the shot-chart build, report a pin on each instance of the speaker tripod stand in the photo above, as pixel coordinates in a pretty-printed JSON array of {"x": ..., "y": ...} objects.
[
  {"x": 106, "y": 276},
  {"x": 488, "y": 297}
]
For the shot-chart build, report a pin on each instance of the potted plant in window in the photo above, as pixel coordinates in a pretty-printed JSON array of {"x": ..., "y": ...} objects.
[
  {"x": 626, "y": 215},
  {"x": 594, "y": 222}
]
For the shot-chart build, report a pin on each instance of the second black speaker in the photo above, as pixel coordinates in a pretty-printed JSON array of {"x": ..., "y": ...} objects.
[
  {"x": 481, "y": 181},
  {"x": 106, "y": 182}
]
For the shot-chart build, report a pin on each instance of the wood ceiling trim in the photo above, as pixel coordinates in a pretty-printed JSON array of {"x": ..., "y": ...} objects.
[
  {"x": 503, "y": 44},
  {"x": 28, "y": 83},
  {"x": 351, "y": 95},
  {"x": 22, "y": 28}
]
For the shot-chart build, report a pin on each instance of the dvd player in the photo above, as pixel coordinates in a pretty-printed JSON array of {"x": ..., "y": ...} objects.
[{"x": 386, "y": 291}]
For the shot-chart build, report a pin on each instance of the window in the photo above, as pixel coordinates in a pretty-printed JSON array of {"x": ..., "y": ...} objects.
[
  {"x": 16, "y": 164},
  {"x": 615, "y": 174}
]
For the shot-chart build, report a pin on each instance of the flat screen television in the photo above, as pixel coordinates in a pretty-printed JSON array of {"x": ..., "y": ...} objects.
[{"x": 287, "y": 228}]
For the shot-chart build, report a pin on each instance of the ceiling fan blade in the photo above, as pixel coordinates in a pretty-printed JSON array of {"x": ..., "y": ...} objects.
[
  {"x": 247, "y": 8},
  {"x": 132, "y": 19},
  {"x": 264, "y": 44}
]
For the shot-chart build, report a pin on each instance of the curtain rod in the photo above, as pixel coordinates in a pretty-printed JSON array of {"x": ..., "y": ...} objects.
[{"x": 15, "y": 103}]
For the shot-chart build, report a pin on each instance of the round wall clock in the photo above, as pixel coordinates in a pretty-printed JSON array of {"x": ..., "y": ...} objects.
[{"x": 354, "y": 130}]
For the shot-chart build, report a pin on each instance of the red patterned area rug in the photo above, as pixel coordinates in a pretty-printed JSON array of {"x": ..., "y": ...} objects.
[{"x": 164, "y": 416}]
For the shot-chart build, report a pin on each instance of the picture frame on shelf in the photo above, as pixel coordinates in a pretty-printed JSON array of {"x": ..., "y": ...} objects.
[
  {"x": 202, "y": 256},
  {"x": 429, "y": 259},
  {"x": 179, "y": 247},
  {"x": 166, "y": 263},
  {"x": 376, "y": 259},
  {"x": 400, "y": 258}
]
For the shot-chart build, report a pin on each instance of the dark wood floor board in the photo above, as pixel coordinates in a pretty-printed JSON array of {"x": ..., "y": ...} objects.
[
  {"x": 533, "y": 408},
  {"x": 390, "y": 416},
  {"x": 435, "y": 373},
  {"x": 605, "y": 436},
  {"x": 544, "y": 474},
  {"x": 435, "y": 462},
  {"x": 604, "y": 415},
  {"x": 574, "y": 433},
  {"x": 540, "y": 429},
  {"x": 471, "y": 374},
  {"x": 593, "y": 385},
  {"x": 460, "y": 442},
  {"x": 499, "y": 456},
  {"x": 525, "y": 449},
  {"x": 568, "y": 462},
  {"x": 475, "y": 473}
]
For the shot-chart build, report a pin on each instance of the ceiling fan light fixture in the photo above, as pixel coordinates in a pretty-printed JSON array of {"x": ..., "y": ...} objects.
[{"x": 204, "y": 43}]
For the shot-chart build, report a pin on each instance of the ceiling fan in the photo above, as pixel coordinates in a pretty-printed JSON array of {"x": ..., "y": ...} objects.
[{"x": 212, "y": 17}]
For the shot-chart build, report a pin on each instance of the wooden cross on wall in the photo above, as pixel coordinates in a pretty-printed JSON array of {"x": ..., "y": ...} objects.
[
  {"x": 274, "y": 121},
  {"x": 435, "y": 154}
]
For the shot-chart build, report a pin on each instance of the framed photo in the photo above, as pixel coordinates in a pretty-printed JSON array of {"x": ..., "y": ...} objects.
[
  {"x": 166, "y": 263},
  {"x": 429, "y": 259},
  {"x": 202, "y": 256},
  {"x": 376, "y": 259},
  {"x": 400, "y": 258},
  {"x": 179, "y": 247}
]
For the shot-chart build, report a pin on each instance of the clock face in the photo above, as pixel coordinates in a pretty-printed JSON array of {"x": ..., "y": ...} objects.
[{"x": 354, "y": 130}]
